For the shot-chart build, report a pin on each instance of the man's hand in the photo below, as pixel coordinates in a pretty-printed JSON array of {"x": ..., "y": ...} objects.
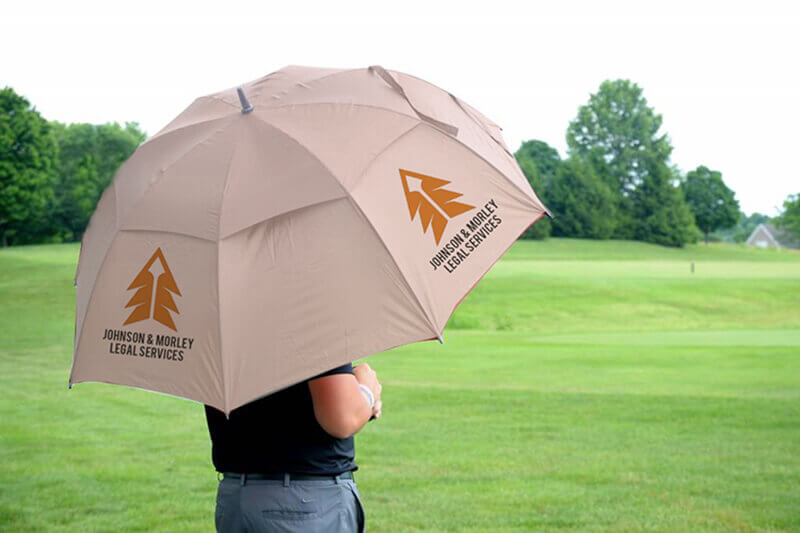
[{"x": 366, "y": 376}]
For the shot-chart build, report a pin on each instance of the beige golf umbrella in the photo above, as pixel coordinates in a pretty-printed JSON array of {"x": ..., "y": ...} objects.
[{"x": 273, "y": 231}]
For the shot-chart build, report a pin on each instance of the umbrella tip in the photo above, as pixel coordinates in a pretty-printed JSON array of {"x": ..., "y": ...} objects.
[
  {"x": 246, "y": 105},
  {"x": 439, "y": 338}
]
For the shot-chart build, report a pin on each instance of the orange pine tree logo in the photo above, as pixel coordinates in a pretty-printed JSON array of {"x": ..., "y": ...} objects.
[
  {"x": 143, "y": 298},
  {"x": 427, "y": 196}
]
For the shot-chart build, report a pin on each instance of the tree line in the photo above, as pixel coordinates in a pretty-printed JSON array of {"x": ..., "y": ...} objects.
[
  {"x": 617, "y": 181},
  {"x": 52, "y": 174}
]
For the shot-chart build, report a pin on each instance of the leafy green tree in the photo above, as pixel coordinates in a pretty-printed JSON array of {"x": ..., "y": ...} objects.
[
  {"x": 539, "y": 162},
  {"x": 789, "y": 219},
  {"x": 77, "y": 192},
  {"x": 89, "y": 157},
  {"x": 714, "y": 205},
  {"x": 27, "y": 156},
  {"x": 115, "y": 144},
  {"x": 619, "y": 134},
  {"x": 659, "y": 212},
  {"x": 583, "y": 205}
]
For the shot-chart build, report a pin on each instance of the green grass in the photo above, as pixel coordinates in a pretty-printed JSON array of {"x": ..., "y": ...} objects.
[{"x": 583, "y": 385}]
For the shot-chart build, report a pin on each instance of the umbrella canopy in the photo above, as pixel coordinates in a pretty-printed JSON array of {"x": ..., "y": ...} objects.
[{"x": 314, "y": 217}]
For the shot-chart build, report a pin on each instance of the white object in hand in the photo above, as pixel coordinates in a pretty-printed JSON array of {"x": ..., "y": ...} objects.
[{"x": 367, "y": 395}]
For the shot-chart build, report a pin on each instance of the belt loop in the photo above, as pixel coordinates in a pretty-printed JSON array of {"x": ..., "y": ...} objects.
[
  {"x": 243, "y": 479},
  {"x": 286, "y": 479}
]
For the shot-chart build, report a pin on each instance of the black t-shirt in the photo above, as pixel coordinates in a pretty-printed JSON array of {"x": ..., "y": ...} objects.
[{"x": 279, "y": 433}]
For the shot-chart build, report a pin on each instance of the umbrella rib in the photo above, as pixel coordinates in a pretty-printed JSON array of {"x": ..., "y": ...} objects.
[
  {"x": 358, "y": 208},
  {"x": 225, "y": 388},
  {"x": 284, "y": 213},
  {"x": 172, "y": 232},
  {"x": 353, "y": 104},
  {"x": 160, "y": 135},
  {"x": 255, "y": 84},
  {"x": 328, "y": 75},
  {"x": 479, "y": 123},
  {"x": 79, "y": 336},
  {"x": 525, "y": 193},
  {"x": 175, "y": 161}
]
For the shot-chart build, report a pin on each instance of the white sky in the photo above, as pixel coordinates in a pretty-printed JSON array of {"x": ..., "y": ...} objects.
[{"x": 724, "y": 75}]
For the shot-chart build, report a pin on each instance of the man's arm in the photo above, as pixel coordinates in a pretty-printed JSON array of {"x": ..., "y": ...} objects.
[{"x": 339, "y": 405}]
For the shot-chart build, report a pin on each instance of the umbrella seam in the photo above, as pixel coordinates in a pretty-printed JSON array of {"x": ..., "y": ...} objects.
[
  {"x": 213, "y": 97},
  {"x": 231, "y": 234},
  {"x": 119, "y": 383},
  {"x": 359, "y": 210},
  {"x": 503, "y": 174},
  {"x": 164, "y": 170},
  {"x": 385, "y": 246},
  {"x": 397, "y": 266},
  {"x": 413, "y": 116},
  {"x": 159, "y": 135},
  {"x": 225, "y": 390},
  {"x": 538, "y": 217},
  {"x": 480, "y": 124},
  {"x": 324, "y": 76},
  {"x": 94, "y": 283},
  {"x": 252, "y": 83},
  {"x": 173, "y": 232}
]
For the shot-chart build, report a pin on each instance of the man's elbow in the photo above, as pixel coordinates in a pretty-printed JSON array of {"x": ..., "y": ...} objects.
[{"x": 340, "y": 427}]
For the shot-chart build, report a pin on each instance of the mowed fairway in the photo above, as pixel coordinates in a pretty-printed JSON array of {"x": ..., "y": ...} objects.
[{"x": 587, "y": 386}]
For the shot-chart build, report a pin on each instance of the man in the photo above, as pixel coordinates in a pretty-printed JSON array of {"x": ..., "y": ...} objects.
[{"x": 287, "y": 459}]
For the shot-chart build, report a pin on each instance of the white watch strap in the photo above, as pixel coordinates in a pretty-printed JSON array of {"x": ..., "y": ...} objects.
[{"x": 368, "y": 395}]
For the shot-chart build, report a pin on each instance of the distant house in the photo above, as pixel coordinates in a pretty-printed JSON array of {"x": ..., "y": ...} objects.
[{"x": 768, "y": 236}]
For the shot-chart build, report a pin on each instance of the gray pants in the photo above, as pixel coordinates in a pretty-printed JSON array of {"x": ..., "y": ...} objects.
[{"x": 325, "y": 504}]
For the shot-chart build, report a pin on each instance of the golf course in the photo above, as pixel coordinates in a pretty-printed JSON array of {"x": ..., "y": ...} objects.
[{"x": 582, "y": 386}]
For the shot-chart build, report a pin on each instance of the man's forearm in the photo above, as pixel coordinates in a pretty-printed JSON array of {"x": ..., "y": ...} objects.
[{"x": 339, "y": 405}]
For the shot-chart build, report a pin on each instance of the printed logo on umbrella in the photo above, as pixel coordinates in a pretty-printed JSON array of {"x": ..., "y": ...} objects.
[
  {"x": 435, "y": 204},
  {"x": 160, "y": 305}
]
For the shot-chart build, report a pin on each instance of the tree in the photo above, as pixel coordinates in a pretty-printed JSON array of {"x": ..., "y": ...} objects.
[
  {"x": 617, "y": 132},
  {"x": 583, "y": 204},
  {"x": 89, "y": 157},
  {"x": 77, "y": 193},
  {"x": 115, "y": 144},
  {"x": 714, "y": 205},
  {"x": 540, "y": 163},
  {"x": 659, "y": 213},
  {"x": 789, "y": 219},
  {"x": 27, "y": 156}
]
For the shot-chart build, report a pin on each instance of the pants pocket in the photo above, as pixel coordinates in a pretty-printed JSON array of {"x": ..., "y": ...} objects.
[
  {"x": 300, "y": 507},
  {"x": 362, "y": 518},
  {"x": 224, "y": 510}
]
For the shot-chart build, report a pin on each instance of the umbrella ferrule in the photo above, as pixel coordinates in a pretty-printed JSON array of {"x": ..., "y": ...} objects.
[{"x": 246, "y": 105}]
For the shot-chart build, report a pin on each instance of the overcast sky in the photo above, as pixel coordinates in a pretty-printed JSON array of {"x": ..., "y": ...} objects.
[{"x": 724, "y": 75}]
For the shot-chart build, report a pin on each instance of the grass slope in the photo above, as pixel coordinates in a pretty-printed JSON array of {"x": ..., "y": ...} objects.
[{"x": 582, "y": 386}]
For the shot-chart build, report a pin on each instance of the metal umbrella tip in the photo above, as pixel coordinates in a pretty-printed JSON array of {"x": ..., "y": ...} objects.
[{"x": 246, "y": 106}]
